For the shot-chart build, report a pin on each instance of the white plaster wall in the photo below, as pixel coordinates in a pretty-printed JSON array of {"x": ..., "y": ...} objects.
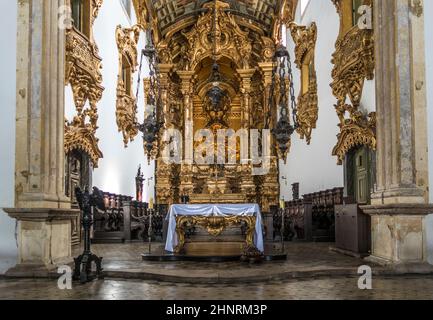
[
  {"x": 313, "y": 166},
  {"x": 428, "y": 13},
  {"x": 117, "y": 169},
  {"x": 8, "y": 31}
]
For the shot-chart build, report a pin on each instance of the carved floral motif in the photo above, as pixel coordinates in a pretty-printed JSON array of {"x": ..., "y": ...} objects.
[
  {"x": 83, "y": 73},
  {"x": 353, "y": 63},
  {"x": 308, "y": 109},
  {"x": 126, "y": 107},
  {"x": 231, "y": 41}
]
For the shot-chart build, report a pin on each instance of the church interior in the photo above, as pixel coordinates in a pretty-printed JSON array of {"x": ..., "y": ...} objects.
[{"x": 189, "y": 147}]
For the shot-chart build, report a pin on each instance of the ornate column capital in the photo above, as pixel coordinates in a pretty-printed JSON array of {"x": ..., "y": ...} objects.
[
  {"x": 266, "y": 69},
  {"x": 164, "y": 71},
  {"x": 187, "y": 78}
]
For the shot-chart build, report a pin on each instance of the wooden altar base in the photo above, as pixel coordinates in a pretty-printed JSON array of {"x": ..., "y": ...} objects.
[{"x": 209, "y": 252}]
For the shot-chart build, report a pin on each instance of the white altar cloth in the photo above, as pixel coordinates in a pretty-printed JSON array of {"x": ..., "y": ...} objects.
[{"x": 209, "y": 210}]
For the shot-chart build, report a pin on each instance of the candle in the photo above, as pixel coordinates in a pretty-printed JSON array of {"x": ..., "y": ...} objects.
[
  {"x": 282, "y": 204},
  {"x": 151, "y": 203}
]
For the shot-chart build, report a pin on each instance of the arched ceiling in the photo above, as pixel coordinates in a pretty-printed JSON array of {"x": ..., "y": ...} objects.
[{"x": 169, "y": 14}]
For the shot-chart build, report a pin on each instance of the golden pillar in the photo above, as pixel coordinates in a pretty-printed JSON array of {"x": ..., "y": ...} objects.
[
  {"x": 164, "y": 190},
  {"x": 270, "y": 188},
  {"x": 248, "y": 186},
  {"x": 187, "y": 88},
  {"x": 266, "y": 69},
  {"x": 164, "y": 82}
]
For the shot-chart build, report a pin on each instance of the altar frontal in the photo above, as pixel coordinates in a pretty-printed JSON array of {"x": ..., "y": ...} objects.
[{"x": 214, "y": 218}]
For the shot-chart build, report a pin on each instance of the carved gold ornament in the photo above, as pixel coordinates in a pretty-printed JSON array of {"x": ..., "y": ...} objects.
[
  {"x": 416, "y": 7},
  {"x": 353, "y": 63},
  {"x": 96, "y": 6},
  {"x": 231, "y": 41},
  {"x": 358, "y": 130},
  {"x": 308, "y": 109},
  {"x": 83, "y": 73},
  {"x": 245, "y": 50},
  {"x": 126, "y": 107},
  {"x": 214, "y": 226}
]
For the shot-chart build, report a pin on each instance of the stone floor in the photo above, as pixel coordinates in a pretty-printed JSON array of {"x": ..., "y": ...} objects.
[
  {"x": 345, "y": 288},
  {"x": 304, "y": 260},
  {"x": 311, "y": 271}
]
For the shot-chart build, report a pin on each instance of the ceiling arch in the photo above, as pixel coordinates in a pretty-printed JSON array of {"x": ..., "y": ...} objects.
[{"x": 170, "y": 15}]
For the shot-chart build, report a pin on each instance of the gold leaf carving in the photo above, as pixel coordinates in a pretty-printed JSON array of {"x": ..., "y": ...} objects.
[
  {"x": 353, "y": 63},
  {"x": 83, "y": 66},
  {"x": 308, "y": 109},
  {"x": 126, "y": 108},
  {"x": 231, "y": 41}
]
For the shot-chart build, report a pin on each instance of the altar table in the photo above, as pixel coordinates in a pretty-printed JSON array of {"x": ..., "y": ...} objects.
[{"x": 214, "y": 214}]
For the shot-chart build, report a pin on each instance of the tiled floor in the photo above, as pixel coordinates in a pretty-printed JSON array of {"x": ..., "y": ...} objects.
[
  {"x": 324, "y": 275},
  {"x": 305, "y": 258},
  {"x": 329, "y": 289}
]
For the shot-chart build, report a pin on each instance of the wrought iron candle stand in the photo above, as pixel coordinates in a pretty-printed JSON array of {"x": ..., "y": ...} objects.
[
  {"x": 282, "y": 229},
  {"x": 149, "y": 229},
  {"x": 83, "y": 264}
]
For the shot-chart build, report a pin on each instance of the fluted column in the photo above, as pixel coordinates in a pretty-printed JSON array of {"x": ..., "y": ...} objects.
[
  {"x": 270, "y": 187},
  {"x": 39, "y": 164},
  {"x": 188, "y": 152},
  {"x": 400, "y": 201},
  {"x": 247, "y": 185},
  {"x": 246, "y": 75},
  {"x": 266, "y": 68},
  {"x": 401, "y": 105},
  {"x": 41, "y": 208},
  {"x": 187, "y": 92},
  {"x": 164, "y": 71}
]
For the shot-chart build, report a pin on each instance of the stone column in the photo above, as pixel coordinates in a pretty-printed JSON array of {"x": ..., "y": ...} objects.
[
  {"x": 42, "y": 209},
  {"x": 399, "y": 203},
  {"x": 401, "y": 107}
]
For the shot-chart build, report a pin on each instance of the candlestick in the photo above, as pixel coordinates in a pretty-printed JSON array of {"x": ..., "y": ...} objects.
[
  {"x": 282, "y": 204},
  {"x": 149, "y": 230},
  {"x": 151, "y": 204}
]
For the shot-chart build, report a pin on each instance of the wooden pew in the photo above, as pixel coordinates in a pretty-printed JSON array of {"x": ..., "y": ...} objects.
[
  {"x": 126, "y": 220},
  {"x": 311, "y": 218}
]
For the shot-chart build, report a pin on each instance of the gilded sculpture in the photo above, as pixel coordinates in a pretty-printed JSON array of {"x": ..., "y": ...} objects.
[
  {"x": 305, "y": 41},
  {"x": 353, "y": 63},
  {"x": 83, "y": 73},
  {"x": 126, "y": 106},
  {"x": 214, "y": 226},
  {"x": 244, "y": 49}
]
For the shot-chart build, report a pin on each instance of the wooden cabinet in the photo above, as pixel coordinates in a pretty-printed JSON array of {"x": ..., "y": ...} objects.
[{"x": 352, "y": 229}]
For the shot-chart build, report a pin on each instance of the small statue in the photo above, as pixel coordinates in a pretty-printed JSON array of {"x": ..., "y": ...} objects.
[
  {"x": 295, "y": 191},
  {"x": 139, "y": 179}
]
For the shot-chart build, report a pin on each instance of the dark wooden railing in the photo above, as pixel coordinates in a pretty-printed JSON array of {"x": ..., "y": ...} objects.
[
  {"x": 126, "y": 220},
  {"x": 311, "y": 218},
  {"x": 136, "y": 221}
]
